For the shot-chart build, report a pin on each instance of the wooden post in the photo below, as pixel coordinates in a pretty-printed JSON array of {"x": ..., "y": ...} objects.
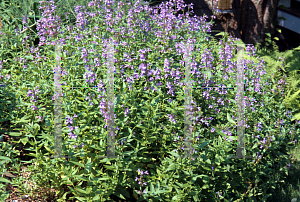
[{"x": 224, "y": 5}]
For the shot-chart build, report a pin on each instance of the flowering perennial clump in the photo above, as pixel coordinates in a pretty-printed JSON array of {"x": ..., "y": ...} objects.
[{"x": 149, "y": 86}]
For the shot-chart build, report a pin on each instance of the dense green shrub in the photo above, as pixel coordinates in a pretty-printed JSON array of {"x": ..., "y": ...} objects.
[{"x": 149, "y": 112}]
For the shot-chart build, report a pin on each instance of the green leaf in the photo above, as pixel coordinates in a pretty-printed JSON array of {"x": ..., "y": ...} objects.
[
  {"x": 185, "y": 172},
  {"x": 24, "y": 140},
  {"x": 48, "y": 149},
  {"x": 95, "y": 101},
  {"x": 174, "y": 154},
  {"x": 196, "y": 198},
  {"x": 297, "y": 48},
  {"x": 276, "y": 38},
  {"x": 36, "y": 70},
  {"x": 152, "y": 188},
  {"x": 88, "y": 166},
  {"x": 102, "y": 178},
  {"x": 5, "y": 158},
  {"x": 154, "y": 101},
  {"x": 220, "y": 140},
  {"x": 296, "y": 116},
  {"x": 230, "y": 119},
  {"x": 204, "y": 144},
  {"x": 208, "y": 161},
  {"x": 221, "y": 34},
  {"x": 130, "y": 131},
  {"x": 175, "y": 198},
  {"x": 199, "y": 176},
  {"x": 81, "y": 190},
  {"x": 29, "y": 57},
  {"x": 14, "y": 134},
  {"x": 88, "y": 190},
  {"x": 23, "y": 119},
  {"x": 157, "y": 186},
  {"x": 79, "y": 164},
  {"x": 140, "y": 126},
  {"x": 80, "y": 198},
  {"x": 36, "y": 129},
  {"x": 120, "y": 195},
  {"x": 208, "y": 74},
  {"x": 4, "y": 180},
  {"x": 96, "y": 198}
]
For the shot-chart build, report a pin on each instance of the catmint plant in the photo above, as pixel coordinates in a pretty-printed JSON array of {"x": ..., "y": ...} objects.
[
  {"x": 140, "y": 180},
  {"x": 150, "y": 100}
]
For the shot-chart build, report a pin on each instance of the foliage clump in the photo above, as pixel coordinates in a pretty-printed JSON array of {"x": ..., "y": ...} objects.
[{"x": 149, "y": 109}]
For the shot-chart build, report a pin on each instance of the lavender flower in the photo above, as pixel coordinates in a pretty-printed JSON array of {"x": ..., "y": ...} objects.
[{"x": 141, "y": 183}]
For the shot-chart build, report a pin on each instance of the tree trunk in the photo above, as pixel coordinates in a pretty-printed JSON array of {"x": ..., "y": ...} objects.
[
  {"x": 257, "y": 18},
  {"x": 249, "y": 20}
]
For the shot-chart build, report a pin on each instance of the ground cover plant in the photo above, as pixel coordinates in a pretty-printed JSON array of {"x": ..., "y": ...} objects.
[{"x": 149, "y": 78}]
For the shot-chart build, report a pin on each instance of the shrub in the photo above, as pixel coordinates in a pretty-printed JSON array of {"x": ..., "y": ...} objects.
[{"x": 148, "y": 112}]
